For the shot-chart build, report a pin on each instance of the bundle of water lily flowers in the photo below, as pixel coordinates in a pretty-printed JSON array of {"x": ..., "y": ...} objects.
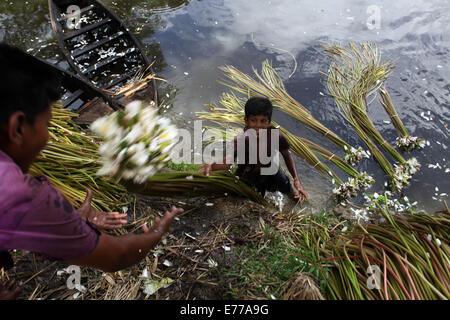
[
  {"x": 405, "y": 142},
  {"x": 354, "y": 74},
  {"x": 354, "y": 156},
  {"x": 385, "y": 201},
  {"x": 137, "y": 142},
  {"x": 410, "y": 143},
  {"x": 275, "y": 198},
  {"x": 350, "y": 188},
  {"x": 403, "y": 174}
]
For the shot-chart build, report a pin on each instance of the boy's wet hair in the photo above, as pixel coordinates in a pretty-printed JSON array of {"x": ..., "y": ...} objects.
[
  {"x": 258, "y": 106},
  {"x": 26, "y": 84}
]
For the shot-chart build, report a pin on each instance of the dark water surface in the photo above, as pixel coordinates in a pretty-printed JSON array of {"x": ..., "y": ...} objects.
[{"x": 190, "y": 39}]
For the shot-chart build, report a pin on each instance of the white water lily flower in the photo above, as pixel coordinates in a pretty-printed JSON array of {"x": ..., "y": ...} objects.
[
  {"x": 133, "y": 135},
  {"x": 140, "y": 158},
  {"x": 354, "y": 155},
  {"x": 403, "y": 173},
  {"x": 163, "y": 122},
  {"x": 350, "y": 188},
  {"x": 104, "y": 126},
  {"x": 133, "y": 109},
  {"x": 409, "y": 143}
]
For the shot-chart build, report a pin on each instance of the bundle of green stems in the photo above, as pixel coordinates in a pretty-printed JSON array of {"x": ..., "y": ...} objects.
[
  {"x": 405, "y": 258},
  {"x": 70, "y": 161}
]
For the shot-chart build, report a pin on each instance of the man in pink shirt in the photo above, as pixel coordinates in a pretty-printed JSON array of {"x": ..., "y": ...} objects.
[{"x": 34, "y": 216}]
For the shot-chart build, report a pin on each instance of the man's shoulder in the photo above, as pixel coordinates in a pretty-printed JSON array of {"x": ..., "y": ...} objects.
[
  {"x": 10, "y": 176},
  {"x": 16, "y": 188}
]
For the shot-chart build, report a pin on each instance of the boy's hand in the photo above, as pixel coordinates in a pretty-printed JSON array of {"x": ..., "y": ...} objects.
[
  {"x": 302, "y": 193},
  {"x": 206, "y": 169},
  {"x": 103, "y": 220},
  {"x": 162, "y": 225}
]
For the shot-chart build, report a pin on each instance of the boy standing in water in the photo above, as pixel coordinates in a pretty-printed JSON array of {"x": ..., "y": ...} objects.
[
  {"x": 34, "y": 216},
  {"x": 258, "y": 115}
]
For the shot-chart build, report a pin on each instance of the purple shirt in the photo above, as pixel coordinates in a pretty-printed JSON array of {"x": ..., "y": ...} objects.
[{"x": 36, "y": 217}]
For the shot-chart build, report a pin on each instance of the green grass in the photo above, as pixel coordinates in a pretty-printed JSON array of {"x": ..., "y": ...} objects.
[
  {"x": 182, "y": 166},
  {"x": 264, "y": 269}
]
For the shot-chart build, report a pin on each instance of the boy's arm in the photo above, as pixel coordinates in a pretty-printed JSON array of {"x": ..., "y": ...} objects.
[
  {"x": 293, "y": 171},
  {"x": 114, "y": 253},
  {"x": 290, "y": 163},
  {"x": 207, "y": 168},
  {"x": 225, "y": 165}
]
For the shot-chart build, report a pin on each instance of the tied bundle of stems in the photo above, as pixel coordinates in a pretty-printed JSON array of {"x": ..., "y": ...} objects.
[
  {"x": 408, "y": 258},
  {"x": 405, "y": 142},
  {"x": 70, "y": 161},
  {"x": 195, "y": 184},
  {"x": 270, "y": 85},
  {"x": 361, "y": 71},
  {"x": 341, "y": 93},
  {"x": 353, "y": 75}
]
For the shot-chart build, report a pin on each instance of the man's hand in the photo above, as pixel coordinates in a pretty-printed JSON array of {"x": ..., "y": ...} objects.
[
  {"x": 302, "y": 195},
  {"x": 206, "y": 169},
  {"x": 103, "y": 220},
  {"x": 9, "y": 290},
  {"x": 162, "y": 225}
]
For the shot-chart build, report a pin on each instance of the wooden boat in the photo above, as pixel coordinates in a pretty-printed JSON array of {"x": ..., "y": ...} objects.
[
  {"x": 81, "y": 97},
  {"x": 99, "y": 47}
]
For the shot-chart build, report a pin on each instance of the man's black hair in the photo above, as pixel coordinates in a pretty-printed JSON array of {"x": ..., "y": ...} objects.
[
  {"x": 258, "y": 106},
  {"x": 26, "y": 84}
]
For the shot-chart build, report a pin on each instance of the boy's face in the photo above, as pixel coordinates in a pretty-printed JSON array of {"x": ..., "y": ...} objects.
[
  {"x": 26, "y": 140},
  {"x": 257, "y": 122}
]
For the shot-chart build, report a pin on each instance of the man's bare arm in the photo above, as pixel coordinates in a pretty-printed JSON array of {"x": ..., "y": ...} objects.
[{"x": 115, "y": 253}]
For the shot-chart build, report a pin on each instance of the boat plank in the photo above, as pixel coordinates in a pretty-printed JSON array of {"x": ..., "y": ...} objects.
[
  {"x": 86, "y": 29},
  {"x": 108, "y": 61},
  {"x": 79, "y": 52}
]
